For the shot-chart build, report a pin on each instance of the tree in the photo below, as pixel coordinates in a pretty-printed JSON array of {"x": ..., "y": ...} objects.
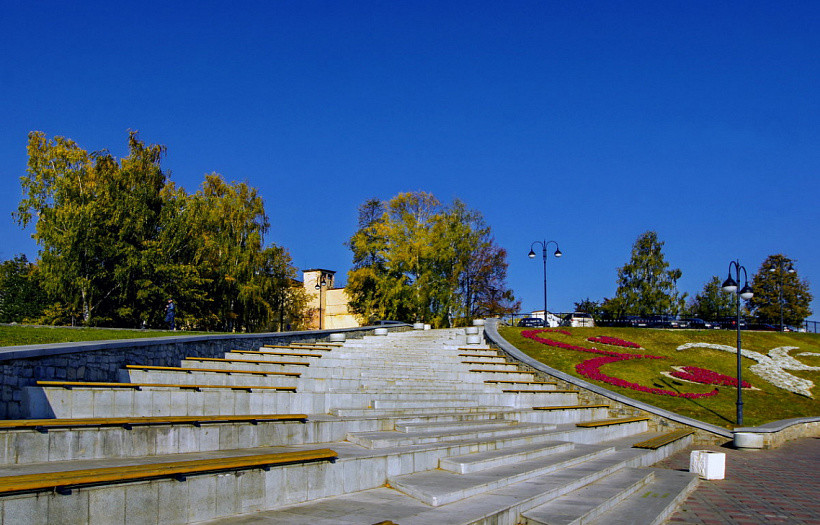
[
  {"x": 646, "y": 285},
  {"x": 118, "y": 239},
  {"x": 21, "y": 296},
  {"x": 415, "y": 259},
  {"x": 712, "y": 302},
  {"x": 590, "y": 307},
  {"x": 773, "y": 278}
]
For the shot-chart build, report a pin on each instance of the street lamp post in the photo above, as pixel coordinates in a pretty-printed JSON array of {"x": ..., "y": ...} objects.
[
  {"x": 731, "y": 285},
  {"x": 779, "y": 266},
  {"x": 321, "y": 282},
  {"x": 531, "y": 255}
]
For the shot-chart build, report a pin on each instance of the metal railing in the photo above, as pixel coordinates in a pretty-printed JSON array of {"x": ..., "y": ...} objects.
[{"x": 747, "y": 323}]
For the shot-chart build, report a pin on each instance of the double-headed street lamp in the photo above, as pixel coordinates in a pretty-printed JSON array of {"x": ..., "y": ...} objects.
[
  {"x": 319, "y": 284},
  {"x": 731, "y": 285},
  {"x": 531, "y": 255},
  {"x": 779, "y": 266}
]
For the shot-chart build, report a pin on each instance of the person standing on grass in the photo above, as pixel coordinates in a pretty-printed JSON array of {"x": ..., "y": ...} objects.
[{"x": 170, "y": 313}]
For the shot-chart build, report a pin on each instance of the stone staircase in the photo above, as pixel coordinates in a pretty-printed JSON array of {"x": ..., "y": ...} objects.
[{"x": 419, "y": 428}]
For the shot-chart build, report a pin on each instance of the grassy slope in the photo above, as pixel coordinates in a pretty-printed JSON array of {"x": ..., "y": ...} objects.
[
  {"x": 769, "y": 403},
  {"x": 30, "y": 335}
]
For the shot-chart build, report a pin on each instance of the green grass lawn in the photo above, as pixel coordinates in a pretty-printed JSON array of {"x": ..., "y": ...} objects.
[
  {"x": 765, "y": 402},
  {"x": 12, "y": 335}
]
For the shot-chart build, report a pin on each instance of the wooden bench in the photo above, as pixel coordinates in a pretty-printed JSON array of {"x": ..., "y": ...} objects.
[
  {"x": 224, "y": 360},
  {"x": 61, "y": 481},
  {"x": 43, "y": 425},
  {"x": 139, "y": 386},
  {"x": 319, "y": 344},
  {"x": 570, "y": 407},
  {"x": 299, "y": 347},
  {"x": 214, "y": 370},
  {"x": 664, "y": 439},
  {"x": 479, "y": 355},
  {"x": 487, "y": 362},
  {"x": 262, "y": 352},
  {"x": 608, "y": 422}
]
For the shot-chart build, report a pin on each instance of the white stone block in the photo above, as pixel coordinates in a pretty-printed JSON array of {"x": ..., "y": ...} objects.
[
  {"x": 380, "y": 331},
  {"x": 473, "y": 339},
  {"x": 418, "y": 326},
  {"x": 337, "y": 338},
  {"x": 471, "y": 330},
  {"x": 478, "y": 322},
  {"x": 707, "y": 464},
  {"x": 748, "y": 440}
]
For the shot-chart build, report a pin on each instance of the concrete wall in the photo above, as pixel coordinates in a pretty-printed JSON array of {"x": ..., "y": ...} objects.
[{"x": 100, "y": 360}]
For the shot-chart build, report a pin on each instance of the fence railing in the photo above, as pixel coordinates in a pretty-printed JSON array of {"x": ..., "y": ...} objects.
[{"x": 655, "y": 321}]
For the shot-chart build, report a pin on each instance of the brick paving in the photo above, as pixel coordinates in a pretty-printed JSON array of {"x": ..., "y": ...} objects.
[{"x": 760, "y": 486}]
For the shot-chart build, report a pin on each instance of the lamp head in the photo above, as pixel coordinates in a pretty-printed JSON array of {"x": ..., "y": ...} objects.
[
  {"x": 729, "y": 285},
  {"x": 531, "y": 255},
  {"x": 558, "y": 253},
  {"x": 791, "y": 269},
  {"x": 746, "y": 292}
]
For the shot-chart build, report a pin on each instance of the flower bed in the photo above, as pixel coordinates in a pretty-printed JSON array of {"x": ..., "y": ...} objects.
[
  {"x": 591, "y": 369},
  {"x": 613, "y": 341},
  {"x": 705, "y": 376}
]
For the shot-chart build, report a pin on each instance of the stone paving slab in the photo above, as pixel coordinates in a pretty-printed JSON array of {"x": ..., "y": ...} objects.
[{"x": 760, "y": 487}]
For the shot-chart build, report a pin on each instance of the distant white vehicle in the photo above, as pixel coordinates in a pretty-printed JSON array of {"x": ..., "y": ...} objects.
[
  {"x": 579, "y": 319},
  {"x": 552, "y": 320}
]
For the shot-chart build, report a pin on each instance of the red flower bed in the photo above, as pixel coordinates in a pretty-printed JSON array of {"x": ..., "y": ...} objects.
[
  {"x": 706, "y": 377},
  {"x": 591, "y": 367},
  {"x": 614, "y": 341}
]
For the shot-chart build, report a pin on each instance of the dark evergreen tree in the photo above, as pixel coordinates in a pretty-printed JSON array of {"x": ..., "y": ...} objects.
[{"x": 776, "y": 283}]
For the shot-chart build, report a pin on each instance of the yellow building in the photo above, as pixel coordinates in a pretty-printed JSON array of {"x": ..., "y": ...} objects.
[{"x": 327, "y": 304}]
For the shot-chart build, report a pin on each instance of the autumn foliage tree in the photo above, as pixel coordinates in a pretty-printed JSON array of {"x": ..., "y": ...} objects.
[
  {"x": 417, "y": 260},
  {"x": 117, "y": 239}
]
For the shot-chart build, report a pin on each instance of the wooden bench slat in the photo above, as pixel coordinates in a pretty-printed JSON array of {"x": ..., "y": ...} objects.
[
  {"x": 607, "y": 422},
  {"x": 214, "y": 370},
  {"x": 148, "y": 420},
  {"x": 299, "y": 347},
  {"x": 262, "y": 352},
  {"x": 665, "y": 439},
  {"x": 93, "y": 384},
  {"x": 123, "y": 473},
  {"x": 224, "y": 360},
  {"x": 570, "y": 407}
]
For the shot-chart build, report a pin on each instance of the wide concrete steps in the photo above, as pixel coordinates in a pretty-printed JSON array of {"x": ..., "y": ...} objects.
[
  {"x": 439, "y": 487},
  {"x": 508, "y": 496},
  {"x": 489, "y": 431},
  {"x": 629, "y": 495}
]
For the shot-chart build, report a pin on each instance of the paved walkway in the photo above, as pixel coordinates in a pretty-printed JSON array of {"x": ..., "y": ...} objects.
[{"x": 761, "y": 486}]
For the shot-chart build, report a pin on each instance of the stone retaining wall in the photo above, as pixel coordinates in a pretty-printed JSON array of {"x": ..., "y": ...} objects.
[{"x": 21, "y": 366}]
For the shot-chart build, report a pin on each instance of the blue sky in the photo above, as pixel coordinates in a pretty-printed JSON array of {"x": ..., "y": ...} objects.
[{"x": 587, "y": 123}]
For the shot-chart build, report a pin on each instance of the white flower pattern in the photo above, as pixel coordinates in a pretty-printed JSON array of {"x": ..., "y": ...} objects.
[{"x": 771, "y": 367}]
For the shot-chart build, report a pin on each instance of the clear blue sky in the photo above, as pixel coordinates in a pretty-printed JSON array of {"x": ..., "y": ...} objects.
[{"x": 586, "y": 122}]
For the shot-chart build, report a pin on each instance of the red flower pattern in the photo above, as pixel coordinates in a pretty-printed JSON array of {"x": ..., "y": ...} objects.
[{"x": 591, "y": 367}]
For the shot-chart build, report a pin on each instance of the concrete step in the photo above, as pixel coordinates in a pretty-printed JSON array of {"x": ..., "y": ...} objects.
[
  {"x": 449, "y": 426},
  {"x": 655, "y": 503},
  {"x": 591, "y": 501},
  {"x": 439, "y": 487},
  {"x": 374, "y": 440},
  {"x": 493, "y": 458}
]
